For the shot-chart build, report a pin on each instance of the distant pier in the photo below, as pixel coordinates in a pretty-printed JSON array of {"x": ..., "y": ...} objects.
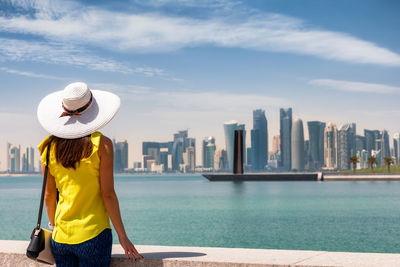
[{"x": 295, "y": 176}]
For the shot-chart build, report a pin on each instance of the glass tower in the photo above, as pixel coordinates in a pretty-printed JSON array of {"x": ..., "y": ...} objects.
[
  {"x": 396, "y": 147},
  {"x": 297, "y": 145},
  {"x": 259, "y": 140},
  {"x": 316, "y": 136},
  {"x": 286, "y": 138}
]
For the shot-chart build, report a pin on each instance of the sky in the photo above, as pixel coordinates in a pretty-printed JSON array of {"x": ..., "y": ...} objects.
[{"x": 186, "y": 64}]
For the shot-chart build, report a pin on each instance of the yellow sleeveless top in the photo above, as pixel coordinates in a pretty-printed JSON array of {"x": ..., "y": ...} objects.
[{"x": 80, "y": 213}]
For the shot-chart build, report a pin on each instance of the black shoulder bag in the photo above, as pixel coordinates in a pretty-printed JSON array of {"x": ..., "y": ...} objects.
[{"x": 40, "y": 246}]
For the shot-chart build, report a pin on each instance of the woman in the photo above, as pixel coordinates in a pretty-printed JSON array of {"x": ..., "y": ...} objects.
[{"x": 81, "y": 169}]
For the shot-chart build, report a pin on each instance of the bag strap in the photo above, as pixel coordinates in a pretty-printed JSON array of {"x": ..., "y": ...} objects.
[{"x": 39, "y": 221}]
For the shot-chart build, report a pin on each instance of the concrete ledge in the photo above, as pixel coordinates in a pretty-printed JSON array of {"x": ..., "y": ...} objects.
[{"x": 12, "y": 253}]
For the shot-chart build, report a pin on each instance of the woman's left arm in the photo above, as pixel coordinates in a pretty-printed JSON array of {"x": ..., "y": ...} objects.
[{"x": 50, "y": 196}]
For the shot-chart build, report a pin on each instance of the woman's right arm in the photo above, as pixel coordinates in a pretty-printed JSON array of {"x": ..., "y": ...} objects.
[{"x": 110, "y": 199}]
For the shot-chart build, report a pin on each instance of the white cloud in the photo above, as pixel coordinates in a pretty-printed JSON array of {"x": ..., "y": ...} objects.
[
  {"x": 56, "y": 53},
  {"x": 31, "y": 74},
  {"x": 350, "y": 86},
  {"x": 150, "y": 32}
]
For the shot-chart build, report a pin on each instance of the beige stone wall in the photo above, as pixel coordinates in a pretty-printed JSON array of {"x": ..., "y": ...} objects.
[{"x": 12, "y": 253}]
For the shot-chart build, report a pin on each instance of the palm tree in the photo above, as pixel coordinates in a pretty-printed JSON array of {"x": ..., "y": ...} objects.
[
  {"x": 388, "y": 161},
  {"x": 372, "y": 162},
  {"x": 354, "y": 160}
]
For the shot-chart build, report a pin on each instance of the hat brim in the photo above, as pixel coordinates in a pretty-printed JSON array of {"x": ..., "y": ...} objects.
[{"x": 103, "y": 108}]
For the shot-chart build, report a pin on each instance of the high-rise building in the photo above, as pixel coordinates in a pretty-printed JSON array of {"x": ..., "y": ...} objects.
[
  {"x": 220, "y": 160},
  {"x": 31, "y": 159},
  {"x": 353, "y": 130},
  {"x": 164, "y": 158},
  {"x": 189, "y": 159},
  {"x": 330, "y": 146},
  {"x": 378, "y": 155},
  {"x": 316, "y": 136},
  {"x": 177, "y": 155},
  {"x": 286, "y": 138},
  {"x": 360, "y": 143},
  {"x": 208, "y": 146},
  {"x": 120, "y": 155},
  {"x": 149, "y": 145},
  {"x": 363, "y": 157},
  {"x": 25, "y": 166},
  {"x": 370, "y": 140},
  {"x": 344, "y": 140},
  {"x": 385, "y": 145},
  {"x": 210, "y": 151},
  {"x": 8, "y": 157},
  {"x": 229, "y": 130},
  {"x": 178, "y": 147},
  {"x": 15, "y": 157},
  {"x": 243, "y": 128},
  {"x": 28, "y": 160},
  {"x": 396, "y": 147},
  {"x": 259, "y": 140},
  {"x": 297, "y": 145}
]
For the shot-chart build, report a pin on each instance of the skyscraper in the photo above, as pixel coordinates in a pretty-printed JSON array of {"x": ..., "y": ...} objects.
[
  {"x": 396, "y": 147},
  {"x": 243, "y": 128},
  {"x": 180, "y": 146},
  {"x": 208, "y": 146},
  {"x": 286, "y": 138},
  {"x": 385, "y": 145},
  {"x": 15, "y": 157},
  {"x": 229, "y": 130},
  {"x": 120, "y": 155},
  {"x": 208, "y": 149},
  {"x": 28, "y": 160},
  {"x": 345, "y": 138},
  {"x": 189, "y": 159},
  {"x": 316, "y": 136},
  {"x": 330, "y": 146},
  {"x": 259, "y": 140},
  {"x": 297, "y": 145},
  {"x": 220, "y": 160},
  {"x": 31, "y": 159},
  {"x": 353, "y": 134},
  {"x": 8, "y": 157},
  {"x": 360, "y": 143},
  {"x": 178, "y": 149},
  {"x": 370, "y": 140}
]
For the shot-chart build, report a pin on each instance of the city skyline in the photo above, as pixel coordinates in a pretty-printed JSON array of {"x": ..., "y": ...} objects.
[
  {"x": 338, "y": 145},
  {"x": 211, "y": 62}
]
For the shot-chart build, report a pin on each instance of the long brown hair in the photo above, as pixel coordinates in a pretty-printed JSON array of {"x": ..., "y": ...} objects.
[{"x": 69, "y": 152}]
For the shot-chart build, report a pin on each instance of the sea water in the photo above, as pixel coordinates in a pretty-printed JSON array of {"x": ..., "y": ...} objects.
[{"x": 188, "y": 210}]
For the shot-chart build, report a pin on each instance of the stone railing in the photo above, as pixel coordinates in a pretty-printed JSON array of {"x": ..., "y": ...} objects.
[{"x": 12, "y": 253}]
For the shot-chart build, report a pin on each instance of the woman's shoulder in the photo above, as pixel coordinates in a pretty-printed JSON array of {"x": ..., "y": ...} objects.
[{"x": 105, "y": 144}]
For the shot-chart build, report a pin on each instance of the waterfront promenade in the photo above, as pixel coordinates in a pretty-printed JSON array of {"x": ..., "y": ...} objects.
[{"x": 12, "y": 253}]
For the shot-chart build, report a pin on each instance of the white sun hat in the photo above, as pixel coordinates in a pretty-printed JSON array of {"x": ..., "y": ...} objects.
[{"x": 77, "y": 111}]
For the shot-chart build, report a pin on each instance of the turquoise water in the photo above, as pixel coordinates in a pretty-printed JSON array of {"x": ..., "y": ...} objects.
[{"x": 188, "y": 210}]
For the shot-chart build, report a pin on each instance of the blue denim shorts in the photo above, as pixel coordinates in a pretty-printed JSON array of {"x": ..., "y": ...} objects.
[{"x": 93, "y": 252}]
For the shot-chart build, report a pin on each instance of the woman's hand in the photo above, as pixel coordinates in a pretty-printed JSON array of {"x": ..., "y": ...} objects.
[{"x": 130, "y": 250}]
